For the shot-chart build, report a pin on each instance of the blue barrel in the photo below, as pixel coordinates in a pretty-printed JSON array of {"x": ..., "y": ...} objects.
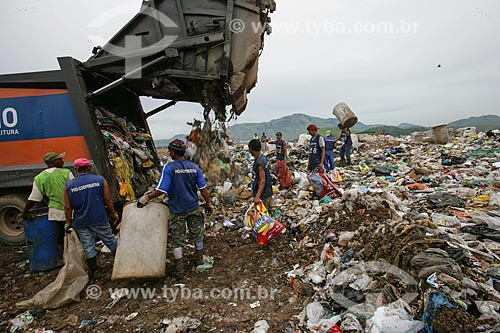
[{"x": 43, "y": 253}]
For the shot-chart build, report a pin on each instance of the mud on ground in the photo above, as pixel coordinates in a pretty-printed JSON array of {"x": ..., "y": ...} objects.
[{"x": 242, "y": 275}]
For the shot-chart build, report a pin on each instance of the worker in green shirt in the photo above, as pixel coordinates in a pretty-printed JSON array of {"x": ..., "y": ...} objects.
[{"x": 50, "y": 184}]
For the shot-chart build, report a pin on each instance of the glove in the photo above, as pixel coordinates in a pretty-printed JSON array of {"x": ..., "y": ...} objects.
[
  {"x": 113, "y": 218},
  {"x": 143, "y": 201},
  {"x": 209, "y": 210}
]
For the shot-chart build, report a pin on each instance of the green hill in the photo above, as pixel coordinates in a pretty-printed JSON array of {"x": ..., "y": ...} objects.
[
  {"x": 396, "y": 131},
  {"x": 482, "y": 123},
  {"x": 291, "y": 127},
  {"x": 294, "y": 125},
  {"x": 165, "y": 142}
]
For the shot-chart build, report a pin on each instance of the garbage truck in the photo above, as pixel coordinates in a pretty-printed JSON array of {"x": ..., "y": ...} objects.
[{"x": 203, "y": 51}]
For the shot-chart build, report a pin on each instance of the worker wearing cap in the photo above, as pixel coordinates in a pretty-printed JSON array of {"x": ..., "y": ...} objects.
[
  {"x": 50, "y": 184},
  {"x": 280, "y": 167},
  {"x": 329, "y": 145},
  {"x": 181, "y": 180},
  {"x": 316, "y": 149},
  {"x": 86, "y": 200}
]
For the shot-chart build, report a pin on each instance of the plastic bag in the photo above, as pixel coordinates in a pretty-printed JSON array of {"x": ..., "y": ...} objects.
[
  {"x": 445, "y": 220},
  {"x": 254, "y": 213},
  {"x": 301, "y": 179},
  {"x": 323, "y": 185},
  {"x": 336, "y": 175},
  {"x": 315, "y": 321},
  {"x": 264, "y": 227},
  {"x": 393, "y": 319},
  {"x": 260, "y": 327}
]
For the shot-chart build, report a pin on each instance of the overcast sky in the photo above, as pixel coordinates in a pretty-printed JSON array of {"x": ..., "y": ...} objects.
[{"x": 380, "y": 57}]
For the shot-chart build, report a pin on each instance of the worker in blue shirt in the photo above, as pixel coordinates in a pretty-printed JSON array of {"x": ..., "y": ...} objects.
[
  {"x": 181, "y": 180},
  {"x": 261, "y": 186},
  {"x": 345, "y": 150},
  {"x": 87, "y": 203},
  {"x": 329, "y": 145},
  {"x": 316, "y": 150}
]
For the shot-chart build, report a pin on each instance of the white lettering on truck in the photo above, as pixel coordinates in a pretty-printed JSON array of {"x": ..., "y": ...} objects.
[{"x": 9, "y": 120}]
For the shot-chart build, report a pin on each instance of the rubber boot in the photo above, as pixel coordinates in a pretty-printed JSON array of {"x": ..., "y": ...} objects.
[
  {"x": 198, "y": 258},
  {"x": 93, "y": 269},
  {"x": 178, "y": 272}
]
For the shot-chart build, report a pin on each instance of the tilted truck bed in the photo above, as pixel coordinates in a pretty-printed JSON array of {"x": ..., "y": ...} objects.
[{"x": 204, "y": 51}]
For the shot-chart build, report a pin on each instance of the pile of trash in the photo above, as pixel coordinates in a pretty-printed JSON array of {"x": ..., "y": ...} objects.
[
  {"x": 412, "y": 243},
  {"x": 132, "y": 160},
  {"x": 408, "y": 241}
]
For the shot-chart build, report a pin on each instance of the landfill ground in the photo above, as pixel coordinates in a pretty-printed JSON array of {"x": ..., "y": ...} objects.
[
  {"x": 239, "y": 264},
  {"x": 405, "y": 210}
]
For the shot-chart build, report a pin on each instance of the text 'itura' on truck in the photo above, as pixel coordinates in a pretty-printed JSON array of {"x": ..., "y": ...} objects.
[{"x": 203, "y": 51}]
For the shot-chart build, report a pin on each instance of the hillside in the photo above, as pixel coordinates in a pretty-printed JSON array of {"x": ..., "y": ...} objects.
[
  {"x": 291, "y": 127},
  {"x": 482, "y": 123},
  {"x": 294, "y": 125},
  {"x": 396, "y": 131},
  {"x": 165, "y": 142},
  {"x": 407, "y": 125}
]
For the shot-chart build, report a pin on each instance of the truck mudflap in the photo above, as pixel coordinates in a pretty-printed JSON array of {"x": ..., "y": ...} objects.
[{"x": 204, "y": 51}]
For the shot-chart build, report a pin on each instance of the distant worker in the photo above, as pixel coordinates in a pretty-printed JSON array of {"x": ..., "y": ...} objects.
[
  {"x": 263, "y": 142},
  {"x": 86, "y": 200},
  {"x": 181, "y": 180},
  {"x": 262, "y": 189},
  {"x": 256, "y": 136},
  {"x": 50, "y": 184},
  {"x": 316, "y": 149},
  {"x": 345, "y": 150},
  {"x": 329, "y": 145},
  {"x": 280, "y": 167}
]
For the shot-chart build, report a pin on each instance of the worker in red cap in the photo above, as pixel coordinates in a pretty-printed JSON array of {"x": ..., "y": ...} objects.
[
  {"x": 86, "y": 200},
  {"x": 316, "y": 149},
  {"x": 181, "y": 180}
]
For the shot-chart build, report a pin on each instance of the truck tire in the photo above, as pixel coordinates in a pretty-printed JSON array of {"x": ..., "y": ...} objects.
[{"x": 11, "y": 226}]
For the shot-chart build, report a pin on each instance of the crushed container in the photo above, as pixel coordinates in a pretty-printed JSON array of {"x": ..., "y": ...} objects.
[
  {"x": 345, "y": 116},
  {"x": 142, "y": 248}
]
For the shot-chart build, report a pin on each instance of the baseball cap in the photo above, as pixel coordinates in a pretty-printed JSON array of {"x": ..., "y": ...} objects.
[
  {"x": 279, "y": 133},
  {"x": 312, "y": 127},
  {"x": 177, "y": 146},
  {"x": 51, "y": 157},
  {"x": 328, "y": 133},
  {"x": 81, "y": 162}
]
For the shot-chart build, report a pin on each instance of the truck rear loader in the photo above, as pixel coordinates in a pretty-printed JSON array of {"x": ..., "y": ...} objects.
[{"x": 203, "y": 51}]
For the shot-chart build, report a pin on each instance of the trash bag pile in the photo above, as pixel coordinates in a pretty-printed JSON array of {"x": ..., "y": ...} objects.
[
  {"x": 132, "y": 160},
  {"x": 412, "y": 243}
]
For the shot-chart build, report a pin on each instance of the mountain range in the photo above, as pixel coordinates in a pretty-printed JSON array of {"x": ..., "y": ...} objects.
[{"x": 293, "y": 125}]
